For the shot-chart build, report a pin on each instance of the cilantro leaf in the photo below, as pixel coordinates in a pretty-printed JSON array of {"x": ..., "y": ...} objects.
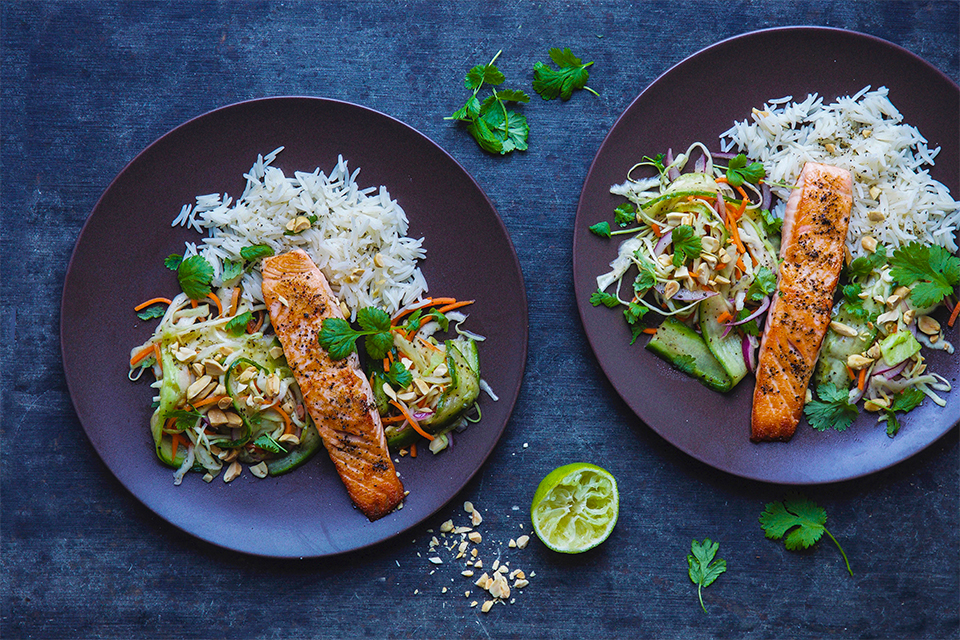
[
  {"x": 771, "y": 223},
  {"x": 656, "y": 161},
  {"x": 686, "y": 244},
  {"x": 832, "y": 410},
  {"x": 934, "y": 270},
  {"x": 905, "y": 401},
  {"x": 571, "y": 75},
  {"x": 863, "y": 266},
  {"x": 494, "y": 128},
  {"x": 601, "y": 229},
  {"x": 151, "y": 312},
  {"x": 231, "y": 270},
  {"x": 738, "y": 171},
  {"x": 267, "y": 443},
  {"x": 185, "y": 419},
  {"x": 645, "y": 279},
  {"x": 803, "y": 519},
  {"x": 237, "y": 325},
  {"x": 339, "y": 338},
  {"x": 764, "y": 283},
  {"x": 703, "y": 569},
  {"x": 398, "y": 376},
  {"x": 172, "y": 261},
  {"x": 195, "y": 275},
  {"x": 418, "y": 318},
  {"x": 606, "y": 299},
  {"x": 625, "y": 214},
  {"x": 255, "y": 252},
  {"x": 752, "y": 327}
]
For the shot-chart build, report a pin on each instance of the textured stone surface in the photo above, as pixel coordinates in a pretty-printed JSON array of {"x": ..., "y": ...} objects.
[{"x": 87, "y": 85}]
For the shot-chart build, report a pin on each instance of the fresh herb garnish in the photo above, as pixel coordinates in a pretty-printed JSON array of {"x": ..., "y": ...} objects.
[
  {"x": 601, "y": 229},
  {"x": 686, "y": 244},
  {"x": 863, "y": 266},
  {"x": 232, "y": 269},
  {"x": 184, "y": 419},
  {"x": 608, "y": 300},
  {"x": 906, "y": 400},
  {"x": 255, "y": 252},
  {"x": 771, "y": 223},
  {"x": 806, "y": 520},
  {"x": 656, "y": 161},
  {"x": 625, "y": 214},
  {"x": 833, "y": 410},
  {"x": 764, "y": 283},
  {"x": 934, "y": 270},
  {"x": 151, "y": 312},
  {"x": 398, "y": 376},
  {"x": 339, "y": 338},
  {"x": 704, "y": 570},
  {"x": 646, "y": 278},
  {"x": 237, "y": 325},
  {"x": 195, "y": 275},
  {"x": 738, "y": 171},
  {"x": 572, "y": 75},
  {"x": 418, "y": 317},
  {"x": 267, "y": 443},
  {"x": 492, "y": 125},
  {"x": 172, "y": 261}
]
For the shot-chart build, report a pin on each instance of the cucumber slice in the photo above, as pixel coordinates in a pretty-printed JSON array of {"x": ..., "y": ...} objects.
[
  {"x": 687, "y": 351},
  {"x": 727, "y": 349}
]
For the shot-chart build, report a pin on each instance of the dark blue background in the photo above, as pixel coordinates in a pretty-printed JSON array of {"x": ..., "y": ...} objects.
[{"x": 87, "y": 85}]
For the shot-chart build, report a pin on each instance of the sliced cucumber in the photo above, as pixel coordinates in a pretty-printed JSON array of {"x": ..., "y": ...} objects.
[
  {"x": 727, "y": 349},
  {"x": 687, "y": 351}
]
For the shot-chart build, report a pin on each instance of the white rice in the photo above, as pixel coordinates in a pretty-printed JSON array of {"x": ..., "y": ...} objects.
[
  {"x": 869, "y": 138},
  {"x": 353, "y": 227}
]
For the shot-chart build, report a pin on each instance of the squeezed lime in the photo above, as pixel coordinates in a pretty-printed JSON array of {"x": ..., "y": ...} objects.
[{"x": 575, "y": 507}]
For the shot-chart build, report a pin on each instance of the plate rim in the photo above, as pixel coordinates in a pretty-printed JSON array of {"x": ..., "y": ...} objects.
[{"x": 522, "y": 309}]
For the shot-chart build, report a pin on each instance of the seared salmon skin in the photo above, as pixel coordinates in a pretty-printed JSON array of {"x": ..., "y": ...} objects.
[
  {"x": 812, "y": 251},
  {"x": 336, "y": 392}
]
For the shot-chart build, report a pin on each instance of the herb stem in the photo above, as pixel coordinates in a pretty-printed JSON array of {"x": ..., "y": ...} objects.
[{"x": 825, "y": 530}]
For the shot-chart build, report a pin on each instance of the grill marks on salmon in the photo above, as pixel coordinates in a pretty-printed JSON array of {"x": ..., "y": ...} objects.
[
  {"x": 336, "y": 392},
  {"x": 812, "y": 252}
]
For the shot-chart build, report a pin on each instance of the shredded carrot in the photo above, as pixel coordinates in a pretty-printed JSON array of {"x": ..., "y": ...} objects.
[
  {"x": 234, "y": 301},
  {"x": 193, "y": 304},
  {"x": 140, "y": 356},
  {"x": 861, "y": 379},
  {"x": 656, "y": 229},
  {"x": 144, "y": 305},
  {"x": 430, "y": 344},
  {"x": 216, "y": 300},
  {"x": 287, "y": 425},
  {"x": 954, "y": 314},
  {"x": 454, "y": 305},
  {"x": 426, "y": 303},
  {"x": 413, "y": 450},
  {"x": 850, "y": 373},
  {"x": 392, "y": 419},
  {"x": 174, "y": 445},
  {"x": 386, "y": 364},
  {"x": 411, "y": 420},
  {"x": 156, "y": 351},
  {"x": 208, "y": 400},
  {"x": 650, "y": 330},
  {"x": 256, "y": 323},
  {"x": 725, "y": 316}
]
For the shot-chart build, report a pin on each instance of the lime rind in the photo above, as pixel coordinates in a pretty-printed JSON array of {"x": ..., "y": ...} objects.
[{"x": 575, "y": 508}]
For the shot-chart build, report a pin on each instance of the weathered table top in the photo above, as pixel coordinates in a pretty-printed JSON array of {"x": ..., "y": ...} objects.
[{"x": 88, "y": 85}]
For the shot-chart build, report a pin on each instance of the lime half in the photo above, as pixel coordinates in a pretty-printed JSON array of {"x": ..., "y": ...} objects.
[{"x": 575, "y": 507}]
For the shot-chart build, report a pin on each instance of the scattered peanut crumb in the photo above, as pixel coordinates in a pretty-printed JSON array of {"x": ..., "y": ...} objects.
[{"x": 487, "y": 606}]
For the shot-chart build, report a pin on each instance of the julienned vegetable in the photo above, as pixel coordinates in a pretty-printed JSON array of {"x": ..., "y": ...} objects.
[
  {"x": 425, "y": 388},
  {"x": 224, "y": 396},
  {"x": 703, "y": 257}
]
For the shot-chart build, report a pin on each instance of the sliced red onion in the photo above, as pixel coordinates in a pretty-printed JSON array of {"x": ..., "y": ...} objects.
[
  {"x": 672, "y": 173},
  {"x": 420, "y": 415},
  {"x": 887, "y": 372},
  {"x": 750, "y": 344},
  {"x": 662, "y": 243},
  {"x": 723, "y": 155},
  {"x": 686, "y": 295},
  {"x": 766, "y": 196},
  {"x": 764, "y": 305}
]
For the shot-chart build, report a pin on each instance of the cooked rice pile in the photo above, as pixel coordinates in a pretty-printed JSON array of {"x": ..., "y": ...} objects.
[
  {"x": 895, "y": 200},
  {"x": 358, "y": 240}
]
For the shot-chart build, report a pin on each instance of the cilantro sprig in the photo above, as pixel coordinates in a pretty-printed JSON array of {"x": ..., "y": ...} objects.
[
  {"x": 764, "y": 284},
  {"x": 738, "y": 171},
  {"x": 906, "y": 400},
  {"x": 195, "y": 275},
  {"x": 495, "y": 128},
  {"x": 571, "y": 75},
  {"x": 703, "y": 569},
  {"x": 801, "y": 521},
  {"x": 832, "y": 410},
  {"x": 340, "y": 339},
  {"x": 686, "y": 244},
  {"x": 932, "y": 271}
]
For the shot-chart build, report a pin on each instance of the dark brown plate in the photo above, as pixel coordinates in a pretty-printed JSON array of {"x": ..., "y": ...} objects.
[
  {"x": 699, "y": 99},
  {"x": 118, "y": 262}
]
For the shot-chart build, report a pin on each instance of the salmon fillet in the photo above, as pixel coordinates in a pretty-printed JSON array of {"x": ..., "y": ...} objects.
[
  {"x": 336, "y": 392},
  {"x": 812, "y": 252}
]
